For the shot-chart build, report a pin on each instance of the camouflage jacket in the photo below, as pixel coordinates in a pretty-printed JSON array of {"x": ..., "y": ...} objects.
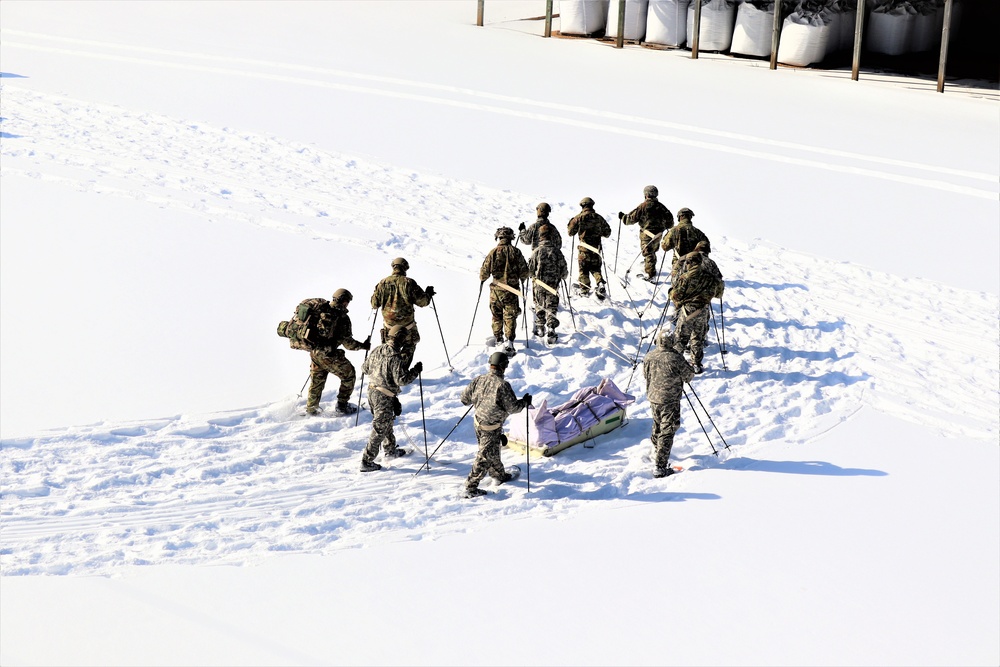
[
  {"x": 506, "y": 264},
  {"x": 493, "y": 397},
  {"x": 530, "y": 236},
  {"x": 666, "y": 372},
  {"x": 548, "y": 265},
  {"x": 333, "y": 328},
  {"x": 385, "y": 368},
  {"x": 652, "y": 216},
  {"x": 698, "y": 281},
  {"x": 683, "y": 238},
  {"x": 396, "y": 295},
  {"x": 591, "y": 227}
]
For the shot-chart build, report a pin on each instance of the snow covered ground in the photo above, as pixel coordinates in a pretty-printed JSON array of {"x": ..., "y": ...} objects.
[{"x": 177, "y": 176}]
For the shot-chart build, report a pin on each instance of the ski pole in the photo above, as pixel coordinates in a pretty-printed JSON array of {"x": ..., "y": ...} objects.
[
  {"x": 443, "y": 440},
  {"x": 441, "y": 331},
  {"x": 714, "y": 451},
  {"x": 304, "y": 385},
  {"x": 478, "y": 299},
  {"x": 357, "y": 415},
  {"x": 618, "y": 240},
  {"x": 423, "y": 419},
  {"x": 722, "y": 314},
  {"x": 569, "y": 304},
  {"x": 527, "y": 446},
  {"x": 716, "y": 327},
  {"x": 524, "y": 296},
  {"x": 709, "y": 416}
]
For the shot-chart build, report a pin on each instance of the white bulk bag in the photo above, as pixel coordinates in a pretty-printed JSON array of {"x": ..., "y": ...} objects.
[
  {"x": 635, "y": 19},
  {"x": 582, "y": 17},
  {"x": 666, "y": 22},
  {"x": 889, "y": 32},
  {"x": 752, "y": 34},
  {"x": 848, "y": 23},
  {"x": 718, "y": 18},
  {"x": 803, "y": 43},
  {"x": 925, "y": 34}
]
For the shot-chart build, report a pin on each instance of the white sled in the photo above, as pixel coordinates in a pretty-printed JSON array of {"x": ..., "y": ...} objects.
[{"x": 592, "y": 411}]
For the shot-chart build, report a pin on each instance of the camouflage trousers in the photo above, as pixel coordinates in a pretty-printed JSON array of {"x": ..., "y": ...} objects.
[
  {"x": 505, "y": 308},
  {"x": 589, "y": 264},
  {"x": 487, "y": 459},
  {"x": 383, "y": 419},
  {"x": 666, "y": 421},
  {"x": 324, "y": 361},
  {"x": 649, "y": 247},
  {"x": 409, "y": 346},
  {"x": 692, "y": 329},
  {"x": 546, "y": 307}
]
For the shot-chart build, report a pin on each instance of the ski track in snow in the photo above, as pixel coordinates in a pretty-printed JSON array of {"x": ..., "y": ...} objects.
[{"x": 810, "y": 340}]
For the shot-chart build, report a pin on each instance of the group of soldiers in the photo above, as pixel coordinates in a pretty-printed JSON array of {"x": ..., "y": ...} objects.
[{"x": 695, "y": 281}]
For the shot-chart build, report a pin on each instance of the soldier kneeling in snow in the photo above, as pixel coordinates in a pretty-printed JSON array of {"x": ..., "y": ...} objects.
[{"x": 494, "y": 401}]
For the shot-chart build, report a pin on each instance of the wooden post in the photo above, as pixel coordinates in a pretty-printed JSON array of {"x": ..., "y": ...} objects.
[
  {"x": 548, "y": 18},
  {"x": 945, "y": 37},
  {"x": 859, "y": 31},
  {"x": 775, "y": 31},
  {"x": 696, "y": 26},
  {"x": 479, "y": 12},
  {"x": 620, "y": 41}
]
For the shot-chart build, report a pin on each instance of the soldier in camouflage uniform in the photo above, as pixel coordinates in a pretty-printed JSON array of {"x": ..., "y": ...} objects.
[
  {"x": 506, "y": 265},
  {"x": 547, "y": 268},
  {"x": 334, "y": 330},
  {"x": 396, "y": 295},
  {"x": 385, "y": 368},
  {"x": 682, "y": 239},
  {"x": 653, "y": 218},
  {"x": 666, "y": 372},
  {"x": 532, "y": 235},
  {"x": 698, "y": 281},
  {"x": 591, "y": 227},
  {"x": 494, "y": 401}
]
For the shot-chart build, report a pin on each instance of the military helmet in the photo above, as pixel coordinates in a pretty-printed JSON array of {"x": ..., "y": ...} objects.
[
  {"x": 499, "y": 359},
  {"x": 394, "y": 331},
  {"x": 667, "y": 339},
  {"x": 650, "y": 191},
  {"x": 702, "y": 246},
  {"x": 543, "y": 208},
  {"x": 401, "y": 263},
  {"x": 504, "y": 233},
  {"x": 587, "y": 202},
  {"x": 685, "y": 213},
  {"x": 342, "y": 296}
]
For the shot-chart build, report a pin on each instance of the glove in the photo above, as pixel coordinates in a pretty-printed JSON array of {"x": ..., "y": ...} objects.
[
  {"x": 503, "y": 440},
  {"x": 397, "y": 407},
  {"x": 527, "y": 399},
  {"x": 429, "y": 292},
  {"x": 521, "y": 227},
  {"x": 418, "y": 367},
  {"x": 620, "y": 215},
  {"x": 367, "y": 345}
]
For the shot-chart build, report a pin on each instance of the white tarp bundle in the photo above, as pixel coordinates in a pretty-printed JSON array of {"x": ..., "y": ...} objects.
[
  {"x": 666, "y": 22},
  {"x": 551, "y": 426},
  {"x": 890, "y": 27},
  {"x": 754, "y": 26},
  {"x": 635, "y": 19},
  {"x": 718, "y": 18},
  {"x": 582, "y": 17},
  {"x": 805, "y": 38}
]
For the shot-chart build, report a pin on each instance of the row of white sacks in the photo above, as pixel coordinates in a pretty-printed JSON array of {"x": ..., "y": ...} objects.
[{"x": 806, "y": 37}]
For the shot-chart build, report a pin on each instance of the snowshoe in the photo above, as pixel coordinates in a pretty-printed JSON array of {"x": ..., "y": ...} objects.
[
  {"x": 474, "y": 492},
  {"x": 552, "y": 338},
  {"x": 370, "y": 467},
  {"x": 508, "y": 349},
  {"x": 581, "y": 290},
  {"x": 345, "y": 408},
  {"x": 314, "y": 412},
  {"x": 510, "y": 473},
  {"x": 395, "y": 454},
  {"x": 698, "y": 368},
  {"x": 602, "y": 291},
  {"x": 539, "y": 331},
  {"x": 666, "y": 472}
]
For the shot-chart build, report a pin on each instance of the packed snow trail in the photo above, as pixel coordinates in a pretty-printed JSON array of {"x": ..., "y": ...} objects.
[{"x": 810, "y": 341}]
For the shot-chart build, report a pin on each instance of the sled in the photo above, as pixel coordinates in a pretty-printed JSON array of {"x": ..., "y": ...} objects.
[{"x": 591, "y": 412}]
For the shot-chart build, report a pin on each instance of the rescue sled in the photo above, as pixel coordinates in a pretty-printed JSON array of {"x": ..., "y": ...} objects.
[{"x": 592, "y": 411}]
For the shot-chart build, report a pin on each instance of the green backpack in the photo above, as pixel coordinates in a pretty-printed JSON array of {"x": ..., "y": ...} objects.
[
  {"x": 694, "y": 284},
  {"x": 309, "y": 321}
]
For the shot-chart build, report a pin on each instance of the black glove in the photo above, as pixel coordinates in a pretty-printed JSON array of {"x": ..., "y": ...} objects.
[
  {"x": 429, "y": 292},
  {"x": 503, "y": 440},
  {"x": 418, "y": 367},
  {"x": 527, "y": 399},
  {"x": 521, "y": 227},
  {"x": 620, "y": 215},
  {"x": 367, "y": 345},
  {"x": 397, "y": 407}
]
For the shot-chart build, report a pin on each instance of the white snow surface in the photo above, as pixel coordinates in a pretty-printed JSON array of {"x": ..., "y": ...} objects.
[{"x": 177, "y": 176}]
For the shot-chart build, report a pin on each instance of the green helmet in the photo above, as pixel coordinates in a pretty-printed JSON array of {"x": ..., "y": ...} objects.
[
  {"x": 667, "y": 339},
  {"x": 685, "y": 213},
  {"x": 504, "y": 233},
  {"x": 499, "y": 359},
  {"x": 650, "y": 191},
  {"x": 543, "y": 209},
  {"x": 401, "y": 263},
  {"x": 342, "y": 297},
  {"x": 587, "y": 202}
]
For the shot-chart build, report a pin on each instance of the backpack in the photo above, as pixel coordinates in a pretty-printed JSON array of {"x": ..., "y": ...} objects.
[
  {"x": 310, "y": 321},
  {"x": 694, "y": 283}
]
